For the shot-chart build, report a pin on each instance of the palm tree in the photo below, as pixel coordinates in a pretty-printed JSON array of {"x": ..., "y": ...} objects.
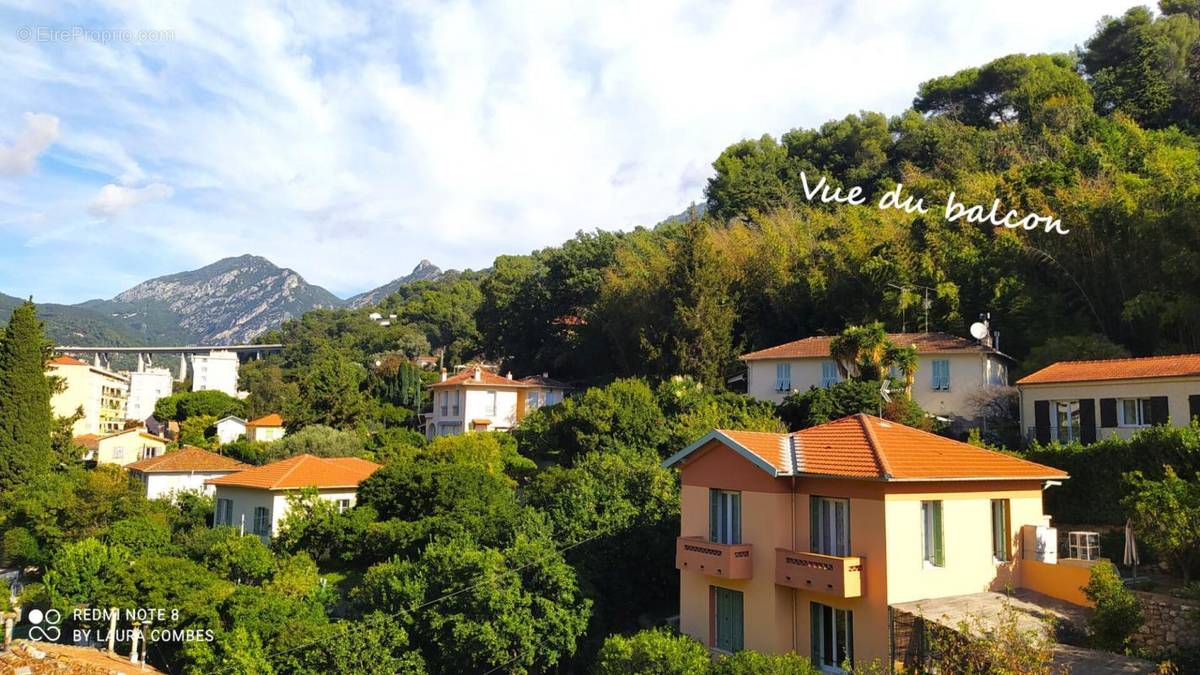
[
  {"x": 905, "y": 360},
  {"x": 861, "y": 351}
]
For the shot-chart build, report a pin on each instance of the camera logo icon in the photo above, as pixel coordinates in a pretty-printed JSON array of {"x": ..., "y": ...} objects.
[{"x": 50, "y": 632}]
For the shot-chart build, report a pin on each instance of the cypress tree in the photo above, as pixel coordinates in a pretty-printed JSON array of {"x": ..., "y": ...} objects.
[{"x": 25, "y": 416}]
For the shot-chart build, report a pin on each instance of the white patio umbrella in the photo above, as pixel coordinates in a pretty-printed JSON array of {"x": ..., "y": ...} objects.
[{"x": 1131, "y": 553}]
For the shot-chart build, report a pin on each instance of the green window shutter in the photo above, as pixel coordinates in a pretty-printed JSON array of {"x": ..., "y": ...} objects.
[
  {"x": 939, "y": 555},
  {"x": 714, "y": 509},
  {"x": 735, "y": 528},
  {"x": 737, "y": 619},
  {"x": 814, "y": 622}
]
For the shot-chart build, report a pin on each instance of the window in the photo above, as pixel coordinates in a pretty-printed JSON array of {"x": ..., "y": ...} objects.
[
  {"x": 1064, "y": 420},
  {"x": 830, "y": 375},
  {"x": 343, "y": 505},
  {"x": 728, "y": 620},
  {"x": 262, "y": 521},
  {"x": 457, "y": 400},
  {"x": 1135, "y": 412},
  {"x": 552, "y": 397},
  {"x": 931, "y": 534},
  {"x": 489, "y": 403},
  {"x": 783, "y": 377},
  {"x": 445, "y": 403},
  {"x": 724, "y": 517},
  {"x": 832, "y": 637},
  {"x": 829, "y": 532},
  {"x": 1000, "y": 530},
  {"x": 531, "y": 400},
  {"x": 941, "y": 374},
  {"x": 119, "y": 452},
  {"x": 224, "y": 512}
]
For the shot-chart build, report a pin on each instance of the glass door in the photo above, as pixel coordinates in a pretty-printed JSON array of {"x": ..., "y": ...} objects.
[{"x": 830, "y": 526}]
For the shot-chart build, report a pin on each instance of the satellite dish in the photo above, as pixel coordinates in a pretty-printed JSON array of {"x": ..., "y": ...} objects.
[{"x": 979, "y": 330}]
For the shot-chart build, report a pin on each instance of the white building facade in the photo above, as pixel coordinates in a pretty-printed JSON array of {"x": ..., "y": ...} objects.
[
  {"x": 215, "y": 371},
  {"x": 951, "y": 371},
  {"x": 146, "y": 388}
]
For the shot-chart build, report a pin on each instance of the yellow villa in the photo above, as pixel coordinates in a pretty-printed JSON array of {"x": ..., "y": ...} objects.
[
  {"x": 100, "y": 393},
  {"x": 803, "y": 541}
]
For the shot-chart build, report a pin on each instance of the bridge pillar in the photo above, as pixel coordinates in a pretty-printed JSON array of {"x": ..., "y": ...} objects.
[{"x": 182, "y": 367}]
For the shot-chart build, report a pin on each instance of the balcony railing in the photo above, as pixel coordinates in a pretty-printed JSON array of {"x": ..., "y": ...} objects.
[
  {"x": 728, "y": 561},
  {"x": 834, "y": 575}
]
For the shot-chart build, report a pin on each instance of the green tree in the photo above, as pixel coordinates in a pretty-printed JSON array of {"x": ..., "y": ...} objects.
[
  {"x": 25, "y": 417},
  {"x": 331, "y": 392},
  {"x": 624, "y": 415},
  {"x": 750, "y": 176},
  {"x": 1117, "y": 612},
  {"x": 1166, "y": 514},
  {"x": 702, "y": 307},
  {"x": 319, "y": 440},
  {"x": 211, "y": 402},
  {"x": 1139, "y": 64},
  {"x": 199, "y": 431},
  {"x": 747, "y": 662},
  {"x": 1071, "y": 348},
  {"x": 656, "y": 652}
]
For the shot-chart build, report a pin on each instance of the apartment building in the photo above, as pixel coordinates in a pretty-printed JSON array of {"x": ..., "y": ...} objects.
[
  {"x": 215, "y": 371},
  {"x": 479, "y": 400},
  {"x": 803, "y": 541},
  {"x": 951, "y": 370},
  {"x": 1088, "y": 400},
  {"x": 100, "y": 393},
  {"x": 256, "y": 500},
  {"x": 146, "y": 388}
]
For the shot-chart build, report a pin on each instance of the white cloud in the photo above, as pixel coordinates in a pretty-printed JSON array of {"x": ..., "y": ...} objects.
[
  {"x": 114, "y": 200},
  {"x": 21, "y": 156},
  {"x": 350, "y": 142}
]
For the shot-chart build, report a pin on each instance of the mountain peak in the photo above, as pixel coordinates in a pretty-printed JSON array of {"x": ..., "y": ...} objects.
[{"x": 424, "y": 271}]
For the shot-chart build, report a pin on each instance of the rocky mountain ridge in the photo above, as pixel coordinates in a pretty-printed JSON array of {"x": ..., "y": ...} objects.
[{"x": 229, "y": 301}]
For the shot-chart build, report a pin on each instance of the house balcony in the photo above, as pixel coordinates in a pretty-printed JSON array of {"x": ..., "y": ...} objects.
[
  {"x": 833, "y": 575},
  {"x": 728, "y": 561}
]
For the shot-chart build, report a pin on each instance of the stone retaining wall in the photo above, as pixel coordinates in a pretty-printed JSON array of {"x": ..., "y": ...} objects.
[{"x": 1171, "y": 625}]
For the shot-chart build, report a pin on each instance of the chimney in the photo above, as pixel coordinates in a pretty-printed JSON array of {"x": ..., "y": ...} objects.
[
  {"x": 443, "y": 374},
  {"x": 508, "y": 375},
  {"x": 478, "y": 374},
  {"x": 546, "y": 375}
]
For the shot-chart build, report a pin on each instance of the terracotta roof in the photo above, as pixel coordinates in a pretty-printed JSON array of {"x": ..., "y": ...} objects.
[
  {"x": 302, "y": 471},
  {"x": 544, "y": 381},
  {"x": 486, "y": 379},
  {"x": 88, "y": 441},
  {"x": 867, "y": 447},
  {"x": 48, "y": 657},
  {"x": 66, "y": 361},
  {"x": 187, "y": 458},
  {"x": 1181, "y": 365},
  {"x": 272, "y": 420},
  {"x": 818, "y": 346}
]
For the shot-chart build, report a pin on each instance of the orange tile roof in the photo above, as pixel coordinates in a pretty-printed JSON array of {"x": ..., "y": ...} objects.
[
  {"x": 1181, "y": 365},
  {"x": 818, "y": 346},
  {"x": 66, "y": 361},
  {"x": 486, "y": 379},
  {"x": 272, "y": 420},
  {"x": 187, "y": 458},
  {"x": 302, "y": 471},
  {"x": 867, "y": 447},
  {"x": 88, "y": 440},
  {"x": 545, "y": 382}
]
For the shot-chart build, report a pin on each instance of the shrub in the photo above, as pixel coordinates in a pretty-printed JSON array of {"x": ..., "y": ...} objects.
[
  {"x": 756, "y": 663},
  {"x": 1118, "y": 613},
  {"x": 1167, "y": 513},
  {"x": 656, "y": 652}
]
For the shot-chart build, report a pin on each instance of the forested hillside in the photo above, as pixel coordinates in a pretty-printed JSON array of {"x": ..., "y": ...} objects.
[{"x": 1105, "y": 139}]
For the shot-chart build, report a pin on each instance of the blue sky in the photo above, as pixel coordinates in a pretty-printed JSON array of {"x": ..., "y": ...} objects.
[{"x": 350, "y": 140}]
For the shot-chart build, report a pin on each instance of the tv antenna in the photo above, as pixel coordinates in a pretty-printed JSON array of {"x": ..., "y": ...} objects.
[{"x": 925, "y": 304}]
